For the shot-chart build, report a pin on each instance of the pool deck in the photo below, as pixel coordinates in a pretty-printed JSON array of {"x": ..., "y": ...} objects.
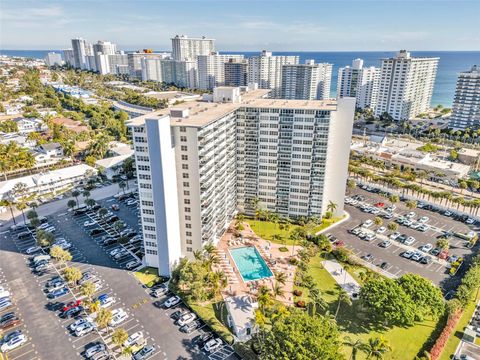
[{"x": 276, "y": 260}]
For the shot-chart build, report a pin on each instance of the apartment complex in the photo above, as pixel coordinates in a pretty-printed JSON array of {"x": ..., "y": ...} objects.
[
  {"x": 307, "y": 81},
  {"x": 201, "y": 162},
  {"x": 406, "y": 85},
  {"x": 359, "y": 82},
  {"x": 266, "y": 71},
  {"x": 81, "y": 49},
  {"x": 466, "y": 103},
  {"x": 211, "y": 69},
  {"x": 185, "y": 48},
  {"x": 236, "y": 72},
  {"x": 53, "y": 58}
]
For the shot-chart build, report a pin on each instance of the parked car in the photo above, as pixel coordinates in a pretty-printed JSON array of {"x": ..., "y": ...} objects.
[
  {"x": 96, "y": 232},
  {"x": 107, "y": 301},
  {"x": 384, "y": 265},
  {"x": 58, "y": 293},
  {"x": 385, "y": 244},
  {"x": 426, "y": 260},
  {"x": 32, "y": 250},
  {"x": 186, "y": 319},
  {"x": 144, "y": 353},
  {"x": 367, "y": 223},
  {"x": 407, "y": 254},
  {"x": 381, "y": 229},
  {"x": 368, "y": 257},
  {"x": 13, "y": 343},
  {"x": 172, "y": 301},
  {"x": 79, "y": 322},
  {"x": 132, "y": 264},
  {"x": 410, "y": 240},
  {"x": 72, "y": 304},
  {"x": 88, "y": 223},
  {"x": 115, "y": 207},
  {"x": 213, "y": 345},
  {"x": 423, "y": 219},
  {"x": 426, "y": 248},
  {"x": 416, "y": 256},
  {"x": 370, "y": 237},
  {"x": 84, "y": 329},
  {"x": 94, "y": 349},
  {"x": 135, "y": 339},
  {"x": 118, "y": 316},
  {"x": 72, "y": 312},
  {"x": 394, "y": 236},
  {"x": 192, "y": 326}
]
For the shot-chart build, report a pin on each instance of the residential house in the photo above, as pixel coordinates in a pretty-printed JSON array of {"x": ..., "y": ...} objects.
[{"x": 52, "y": 150}]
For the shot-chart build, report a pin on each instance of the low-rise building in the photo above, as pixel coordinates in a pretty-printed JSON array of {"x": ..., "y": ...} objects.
[
  {"x": 241, "y": 316},
  {"x": 52, "y": 150},
  {"x": 28, "y": 125}
]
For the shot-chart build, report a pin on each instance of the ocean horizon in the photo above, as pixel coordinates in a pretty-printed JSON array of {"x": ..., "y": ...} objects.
[{"x": 451, "y": 63}]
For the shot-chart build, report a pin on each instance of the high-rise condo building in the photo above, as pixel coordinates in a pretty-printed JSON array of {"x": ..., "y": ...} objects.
[
  {"x": 187, "y": 49},
  {"x": 211, "y": 69},
  {"x": 181, "y": 73},
  {"x": 105, "y": 48},
  {"x": 69, "y": 57},
  {"x": 118, "y": 62},
  {"x": 236, "y": 72},
  {"x": 307, "y": 81},
  {"x": 81, "y": 49},
  {"x": 466, "y": 103},
  {"x": 135, "y": 61},
  {"x": 406, "y": 85},
  {"x": 200, "y": 162},
  {"x": 266, "y": 71},
  {"x": 359, "y": 82},
  {"x": 53, "y": 58}
]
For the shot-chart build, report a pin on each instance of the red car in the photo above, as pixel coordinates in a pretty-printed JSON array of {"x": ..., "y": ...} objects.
[
  {"x": 379, "y": 204},
  {"x": 71, "y": 305}
]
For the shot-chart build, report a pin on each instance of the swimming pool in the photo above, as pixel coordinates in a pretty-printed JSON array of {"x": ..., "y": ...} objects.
[{"x": 250, "y": 263}]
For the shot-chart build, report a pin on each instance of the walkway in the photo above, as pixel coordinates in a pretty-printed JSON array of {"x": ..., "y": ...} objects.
[{"x": 342, "y": 277}]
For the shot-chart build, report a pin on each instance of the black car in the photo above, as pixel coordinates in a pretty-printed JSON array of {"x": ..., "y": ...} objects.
[
  {"x": 177, "y": 314},
  {"x": 70, "y": 313},
  {"x": 96, "y": 232},
  {"x": 384, "y": 265},
  {"x": 109, "y": 241},
  {"x": 112, "y": 219},
  {"x": 8, "y": 316},
  {"x": 54, "y": 280},
  {"x": 201, "y": 340}
]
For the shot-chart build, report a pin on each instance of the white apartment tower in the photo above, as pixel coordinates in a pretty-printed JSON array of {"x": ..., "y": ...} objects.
[
  {"x": 187, "y": 49},
  {"x": 466, "y": 104},
  {"x": 266, "y": 71},
  {"x": 180, "y": 73},
  {"x": 359, "y": 82},
  {"x": 406, "y": 85},
  {"x": 53, "y": 59},
  {"x": 69, "y": 57},
  {"x": 105, "y": 48},
  {"x": 211, "y": 69},
  {"x": 81, "y": 49},
  {"x": 201, "y": 162},
  {"x": 307, "y": 81}
]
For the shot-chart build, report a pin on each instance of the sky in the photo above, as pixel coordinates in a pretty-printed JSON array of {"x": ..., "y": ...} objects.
[{"x": 277, "y": 25}]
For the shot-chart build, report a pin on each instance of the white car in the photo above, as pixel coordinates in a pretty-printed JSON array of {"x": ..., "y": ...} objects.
[
  {"x": 367, "y": 223},
  {"x": 135, "y": 338},
  {"x": 415, "y": 225},
  {"x": 410, "y": 215},
  {"x": 84, "y": 329},
  {"x": 107, "y": 302},
  {"x": 132, "y": 264},
  {"x": 118, "y": 316},
  {"x": 186, "y": 319},
  {"x": 116, "y": 251},
  {"x": 416, "y": 256},
  {"x": 89, "y": 223},
  {"x": 50, "y": 229},
  {"x": 394, "y": 236},
  {"x": 447, "y": 213},
  {"x": 410, "y": 240},
  {"x": 354, "y": 202},
  {"x": 32, "y": 250},
  {"x": 13, "y": 343},
  {"x": 426, "y": 248},
  {"x": 73, "y": 326},
  {"x": 470, "y": 221},
  {"x": 381, "y": 230},
  {"x": 174, "y": 300},
  {"x": 213, "y": 345},
  {"x": 423, "y": 219},
  {"x": 408, "y": 222},
  {"x": 375, "y": 211},
  {"x": 43, "y": 226},
  {"x": 370, "y": 237}
]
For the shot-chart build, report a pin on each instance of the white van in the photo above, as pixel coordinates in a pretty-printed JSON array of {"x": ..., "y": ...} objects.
[{"x": 39, "y": 258}]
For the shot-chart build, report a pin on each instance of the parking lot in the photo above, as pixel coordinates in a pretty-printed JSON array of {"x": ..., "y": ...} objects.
[
  {"x": 390, "y": 258},
  {"x": 89, "y": 255}
]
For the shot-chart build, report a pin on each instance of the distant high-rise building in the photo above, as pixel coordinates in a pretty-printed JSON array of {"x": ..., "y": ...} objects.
[
  {"x": 266, "y": 71},
  {"x": 236, "y": 72},
  {"x": 211, "y": 69},
  {"x": 406, "y": 85},
  {"x": 104, "y": 47},
  {"x": 187, "y": 49},
  {"x": 53, "y": 58},
  {"x": 466, "y": 103},
  {"x": 359, "y": 82},
  {"x": 118, "y": 63},
  {"x": 307, "y": 81},
  {"x": 81, "y": 49},
  {"x": 180, "y": 73},
  {"x": 135, "y": 61},
  {"x": 69, "y": 57}
]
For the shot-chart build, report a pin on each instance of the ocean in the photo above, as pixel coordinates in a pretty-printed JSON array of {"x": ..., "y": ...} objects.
[{"x": 450, "y": 65}]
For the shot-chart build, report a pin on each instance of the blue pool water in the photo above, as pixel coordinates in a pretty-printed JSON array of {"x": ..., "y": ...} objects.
[{"x": 250, "y": 263}]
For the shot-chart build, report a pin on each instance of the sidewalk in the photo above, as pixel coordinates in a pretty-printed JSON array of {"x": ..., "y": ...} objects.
[{"x": 342, "y": 277}]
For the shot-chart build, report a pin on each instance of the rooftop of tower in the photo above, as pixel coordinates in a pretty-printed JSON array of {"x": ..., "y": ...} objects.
[{"x": 201, "y": 112}]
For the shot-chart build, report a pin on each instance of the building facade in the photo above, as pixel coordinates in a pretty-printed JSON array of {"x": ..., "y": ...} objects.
[
  {"x": 104, "y": 47},
  {"x": 69, "y": 57},
  {"x": 406, "y": 85},
  {"x": 53, "y": 58},
  {"x": 187, "y": 49},
  {"x": 211, "y": 69},
  {"x": 291, "y": 155},
  {"x": 236, "y": 72},
  {"x": 307, "y": 81},
  {"x": 81, "y": 49},
  {"x": 266, "y": 71},
  {"x": 359, "y": 82},
  {"x": 466, "y": 103}
]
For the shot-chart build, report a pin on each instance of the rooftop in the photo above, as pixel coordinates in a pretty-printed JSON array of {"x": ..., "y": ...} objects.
[{"x": 203, "y": 112}]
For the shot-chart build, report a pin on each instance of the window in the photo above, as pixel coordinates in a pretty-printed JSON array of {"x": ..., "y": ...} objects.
[
  {"x": 188, "y": 217},
  {"x": 189, "y": 249},
  {"x": 148, "y": 211},
  {"x": 188, "y": 226},
  {"x": 185, "y": 175},
  {"x": 186, "y": 201},
  {"x": 183, "y": 138},
  {"x": 184, "y": 157},
  {"x": 147, "y": 203},
  {"x": 149, "y": 228},
  {"x": 188, "y": 233},
  {"x": 150, "y": 236},
  {"x": 185, "y": 166},
  {"x": 183, "y": 148},
  {"x": 148, "y": 220},
  {"x": 186, "y": 192},
  {"x": 187, "y": 209},
  {"x": 183, "y": 129},
  {"x": 189, "y": 241},
  {"x": 146, "y": 186},
  {"x": 151, "y": 252},
  {"x": 186, "y": 184}
]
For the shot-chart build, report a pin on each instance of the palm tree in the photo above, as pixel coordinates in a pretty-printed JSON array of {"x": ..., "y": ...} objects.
[
  {"x": 90, "y": 202},
  {"x": 122, "y": 185},
  {"x": 378, "y": 221},
  {"x": 22, "y": 206},
  {"x": 294, "y": 236},
  {"x": 351, "y": 185},
  {"x": 376, "y": 348},
  {"x": 342, "y": 297},
  {"x": 119, "y": 336},
  {"x": 9, "y": 203},
  {"x": 278, "y": 290},
  {"x": 393, "y": 226},
  {"x": 356, "y": 345},
  {"x": 280, "y": 277},
  {"x": 316, "y": 300},
  {"x": 86, "y": 194},
  {"x": 102, "y": 212},
  {"x": 331, "y": 207},
  {"x": 411, "y": 204},
  {"x": 71, "y": 204},
  {"x": 75, "y": 194}
]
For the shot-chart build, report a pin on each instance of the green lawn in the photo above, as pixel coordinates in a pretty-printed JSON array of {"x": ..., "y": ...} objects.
[
  {"x": 354, "y": 322},
  {"x": 457, "y": 334},
  {"x": 267, "y": 229},
  {"x": 147, "y": 276},
  {"x": 215, "y": 315}
]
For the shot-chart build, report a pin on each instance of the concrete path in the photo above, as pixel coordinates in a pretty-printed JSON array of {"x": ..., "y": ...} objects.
[{"x": 342, "y": 277}]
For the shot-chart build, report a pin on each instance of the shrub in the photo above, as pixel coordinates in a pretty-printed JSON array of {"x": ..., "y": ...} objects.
[
  {"x": 283, "y": 249},
  {"x": 293, "y": 261},
  {"x": 297, "y": 292},
  {"x": 300, "y": 304}
]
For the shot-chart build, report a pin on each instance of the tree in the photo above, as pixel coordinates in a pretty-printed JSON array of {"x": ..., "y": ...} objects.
[
  {"x": 394, "y": 198},
  {"x": 86, "y": 194},
  {"x": 355, "y": 344},
  {"x": 443, "y": 243},
  {"x": 462, "y": 185},
  {"x": 22, "y": 206},
  {"x": 300, "y": 336},
  {"x": 119, "y": 336},
  {"x": 60, "y": 255},
  {"x": 411, "y": 204},
  {"x": 331, "y": 207},
  {"x": 280, "y": 277},
  {"x": 76, "y": 194},
  {"x": 393, "y": 226},
  {"x": 122, "y": 185},
  {"x": 72, "y": 275},
  {"x": 351, "y": 185},
  {"x": 343, "y": 297},
  {"x": 378, "y": 221},
  {"x": 428, "y": 298},
  {"x": 104, "y": 316},
  {"x": 71, "y": 204},
  {"x": 32, "y": 214},
  {"x": 376, "y": 348},
  {"x": 102, "y": 212},
  {"x": 9, "y": 203},
  {"x": 90, "y": 202},
  {"x": 44, "y": 238}
]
